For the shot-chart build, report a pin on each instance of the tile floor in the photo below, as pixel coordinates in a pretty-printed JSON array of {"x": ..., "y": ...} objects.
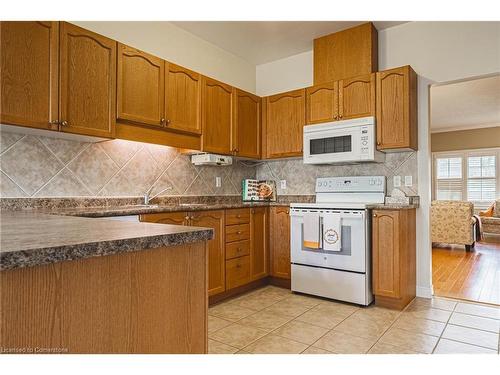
[{"x": 274, "y": 320}]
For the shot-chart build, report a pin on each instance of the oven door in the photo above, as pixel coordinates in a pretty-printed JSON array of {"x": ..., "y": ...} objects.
[
  {"x": 352, "y": 254},
  {"x": 332, "y": 145}
]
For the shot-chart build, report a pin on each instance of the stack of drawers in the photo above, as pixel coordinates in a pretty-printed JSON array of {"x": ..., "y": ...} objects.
[{"x": 237, "y": 247}]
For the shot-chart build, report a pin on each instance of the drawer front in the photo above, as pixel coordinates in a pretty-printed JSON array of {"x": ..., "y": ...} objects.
[
  {"x": 237, "y": 249},
  {"x": 237, "y": 232},
  {"x": 237, "y": 272},
  {"x": 238, "y": 216}
]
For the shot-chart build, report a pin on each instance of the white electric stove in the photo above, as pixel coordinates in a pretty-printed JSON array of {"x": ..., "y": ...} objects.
[{"x": 344, "y": 273}]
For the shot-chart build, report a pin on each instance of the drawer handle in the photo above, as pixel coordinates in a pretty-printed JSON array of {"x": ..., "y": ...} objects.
[{"x": 238, "y": 232}]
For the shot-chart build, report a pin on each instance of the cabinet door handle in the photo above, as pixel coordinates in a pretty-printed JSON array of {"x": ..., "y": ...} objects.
[
  {"x": 162, "y": 121},
  {"x": 187, "y": 218},
  {"x": 167, "y": 122},
  {"x": 54, "y": 122},
  {"x": 238, "y": 216},
  {"x": 378, "y": 143},
  {"x": 64, "y": 123},
  {"x": 374, "y": 215},
  {"x": 238, "y": 232}
]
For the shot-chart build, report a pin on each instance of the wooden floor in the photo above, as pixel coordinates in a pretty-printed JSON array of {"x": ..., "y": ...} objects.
[{"x": 471, "y": 275}]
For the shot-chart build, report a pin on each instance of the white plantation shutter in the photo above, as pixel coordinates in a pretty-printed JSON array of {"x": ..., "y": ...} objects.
[
  {"x": 472, "y": 175},
  {"x": 449, "y": 178},
  {"x": 482, "y": 180}
]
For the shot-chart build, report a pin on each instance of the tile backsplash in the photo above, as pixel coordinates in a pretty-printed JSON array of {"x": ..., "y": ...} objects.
[
  {"x": 300, "y": 178},
  {"x": 37, "y": 166}
]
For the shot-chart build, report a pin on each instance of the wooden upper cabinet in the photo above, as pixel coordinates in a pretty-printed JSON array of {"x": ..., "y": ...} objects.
[
  {"x": 259, "y": 253},
  {"x": 386, "y": 253},
  {"x": 347, "y": 53},
  {"x": 182, "y": 99},
  {"x": 87, "y": 92},
  {"x": 140, "y": 87},
  {"x": 246, "y": 124},
  {"x": 285, "y": 119},
  {"x": 397, "y": 109},
  {"x": 217, "y": 103},
  {"x": 357, "y": 97},
  {"x": 279, "y": 241},
  {"x": 29, "y": 74},
  {"x": 322, "y": 103},
  {"x": 216, "y": 249}
]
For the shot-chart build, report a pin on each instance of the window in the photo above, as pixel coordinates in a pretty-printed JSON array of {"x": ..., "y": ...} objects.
[
  {"x": 468, "y": 175},
  {"x": 481, "y": 179},
  {"x": 449, "y": 178}
]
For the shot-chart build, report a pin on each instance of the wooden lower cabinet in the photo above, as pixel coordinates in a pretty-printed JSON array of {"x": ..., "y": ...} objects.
[
  {"x": 394, "y": 257},
  {"x": 216, "y": 249},
  {"x": 239, "y": 252},
  {"x": 237, "y": 272},
  {"x": 144, "y": 302},
  {"x": 279, "y": 241},
  {"x": 259, "y": 239}
]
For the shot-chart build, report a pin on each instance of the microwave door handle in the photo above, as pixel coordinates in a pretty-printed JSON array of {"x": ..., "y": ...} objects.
[{"x": 321, "y": 232}]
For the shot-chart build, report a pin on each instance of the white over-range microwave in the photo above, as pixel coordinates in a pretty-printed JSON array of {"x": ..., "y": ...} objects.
[{"x": 346, "y": 141}]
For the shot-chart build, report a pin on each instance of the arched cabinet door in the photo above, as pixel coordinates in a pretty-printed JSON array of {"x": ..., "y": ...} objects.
[
  {"x": 182, "y": 99},
  {"x": 279, "y": 241},
  {"x": 385, "y": 234},
  {"x": 140, "y": 87},
  {"x": 217, "y": 106},
  {"x": 246, "y": 125},
  {"x": 285, "y": 120},
  {"x": 29, "y": 74},
  {"x": 87, "y": 92},
  {"x": 397, "y": 109},
  {"x": 357, "y": 97},
  {"x": 322, "y": 103}
]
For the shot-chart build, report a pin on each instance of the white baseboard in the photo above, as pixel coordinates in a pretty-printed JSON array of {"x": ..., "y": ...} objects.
[{"x": 424, "y": 291}]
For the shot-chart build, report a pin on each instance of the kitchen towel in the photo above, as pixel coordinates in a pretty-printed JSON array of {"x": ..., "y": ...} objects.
[
  {"x": 332, "y": 229},
  {"x": 311, "y": 230}
]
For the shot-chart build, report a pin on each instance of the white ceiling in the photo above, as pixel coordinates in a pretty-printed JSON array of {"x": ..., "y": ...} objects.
[
  {"x": 466, "y": 105},
  {"x": 259, "y": 42}
]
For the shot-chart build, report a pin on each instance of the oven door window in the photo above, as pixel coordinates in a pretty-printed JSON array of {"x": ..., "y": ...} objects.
[{"x": 330, "y": 145}]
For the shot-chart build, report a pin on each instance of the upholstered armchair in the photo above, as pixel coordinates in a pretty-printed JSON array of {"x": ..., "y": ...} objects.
[
  {"x": 452, "y": 222},
  {"x": 490, "y": 219}
]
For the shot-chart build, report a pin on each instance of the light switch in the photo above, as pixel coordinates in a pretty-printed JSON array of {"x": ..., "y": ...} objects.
[
  {"x": 218, "y": 182},
  {"x": 408, "y": 181},
  {"x": 397, "y": 181},
  {"x": 283, "y": 184}
]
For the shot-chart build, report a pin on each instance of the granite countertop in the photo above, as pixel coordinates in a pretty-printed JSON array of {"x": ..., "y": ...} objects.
[
  {"x": 392, "y": 206},
  {"x": 31, "y": 238},
  {"x": 106, "y": 211}
]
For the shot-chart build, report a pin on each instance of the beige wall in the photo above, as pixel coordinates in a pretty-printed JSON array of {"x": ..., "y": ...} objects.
[
  {"x": 466, "y": 139},
  {"x": 174, "y": 44}
]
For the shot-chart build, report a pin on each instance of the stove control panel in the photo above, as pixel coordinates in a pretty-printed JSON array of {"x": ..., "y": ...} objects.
[{"x": 353, "y": 184}]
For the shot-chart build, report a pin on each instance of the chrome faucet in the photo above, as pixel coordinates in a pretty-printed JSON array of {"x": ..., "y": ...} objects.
[{"x": 148, "y": 199}]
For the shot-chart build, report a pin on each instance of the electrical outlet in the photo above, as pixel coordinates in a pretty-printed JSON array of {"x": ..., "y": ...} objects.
[
  {"x": 408, "y": 181},
  {"x": 397, "y": 181},
  {"x": 218, "y": 182},
  {"x": 283, "y": 184}
]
